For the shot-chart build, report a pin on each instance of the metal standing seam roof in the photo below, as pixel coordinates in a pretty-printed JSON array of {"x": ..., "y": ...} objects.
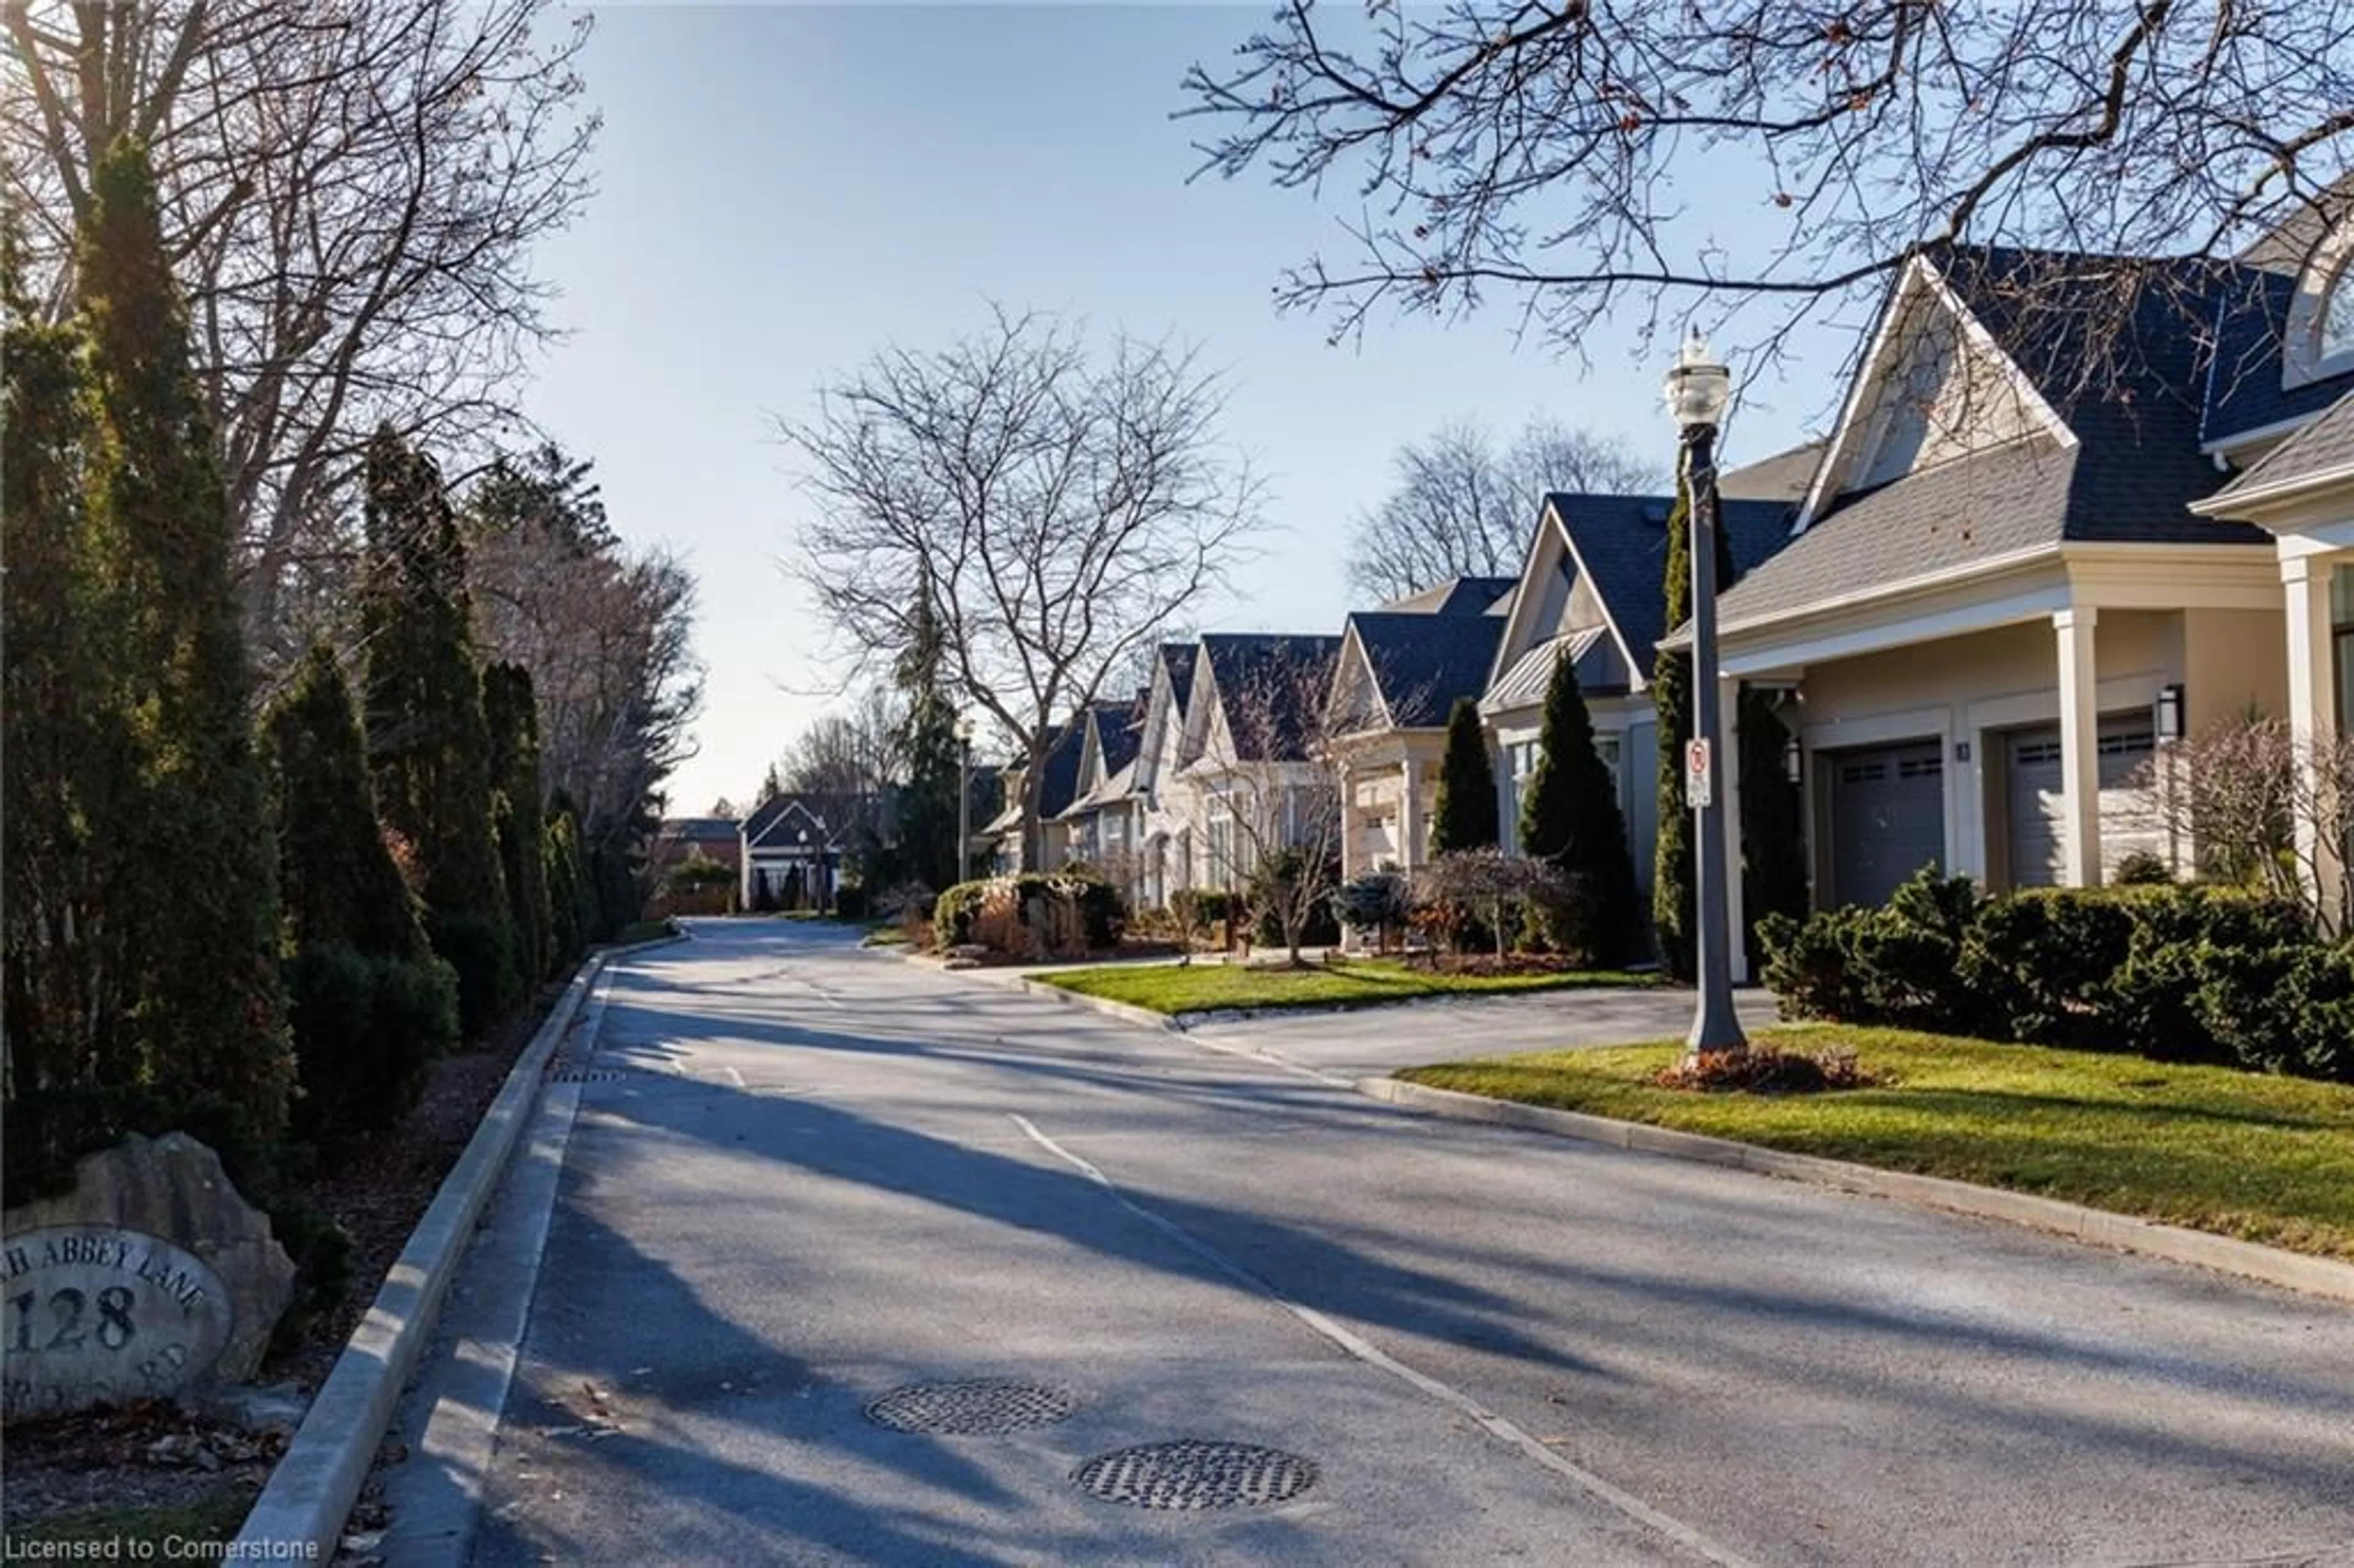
[{"x": 1523, "y": 686}]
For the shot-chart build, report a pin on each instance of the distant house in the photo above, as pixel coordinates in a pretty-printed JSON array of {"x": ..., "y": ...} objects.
[
  {"x": 1401, "y": 670},
  {"x": 1064, "y": 748},
  {"x": 791, "y": 858},
  {"x": 1253, "y": 747},
  {"x": 1104, "y": 820},
  {"x": 679, "y": 838},
  {"x": 1593, "y": 589}
]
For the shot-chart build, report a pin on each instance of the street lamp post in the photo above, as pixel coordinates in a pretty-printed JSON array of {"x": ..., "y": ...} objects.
[
  {"x": 964, "y": 797},
  {"x": 1697, "y": 390}
]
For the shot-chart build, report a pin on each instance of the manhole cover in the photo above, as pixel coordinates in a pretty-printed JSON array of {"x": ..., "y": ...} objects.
[
  {"x": 981, "y": 1404},
  {"x": 587, "y": 1075},
  {"x": 1190, "y": 1474}
]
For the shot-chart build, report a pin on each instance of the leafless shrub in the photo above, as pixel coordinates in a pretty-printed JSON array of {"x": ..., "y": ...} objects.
[
  {"x": 2260, "y": 806},
  {"x": 1495, "y": 889}
]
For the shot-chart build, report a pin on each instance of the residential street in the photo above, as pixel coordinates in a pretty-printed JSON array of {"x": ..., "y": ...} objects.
[{"x": 825, "y": 1174}]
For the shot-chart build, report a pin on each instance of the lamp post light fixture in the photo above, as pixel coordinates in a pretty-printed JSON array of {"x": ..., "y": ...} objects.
[
  {"x": 1697, "y": 390},
  {"x": 2170, "y": 712}
]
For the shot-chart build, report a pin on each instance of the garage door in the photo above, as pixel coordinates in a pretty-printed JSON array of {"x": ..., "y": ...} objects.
[
  {"x": 1888, "y": 817},
  {"x": 2037, "y": 804}
]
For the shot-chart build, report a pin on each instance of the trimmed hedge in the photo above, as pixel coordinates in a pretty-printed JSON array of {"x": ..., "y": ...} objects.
[
  {"x": 1101, "y": 907},
  {"x": 2175, "y": 973}
]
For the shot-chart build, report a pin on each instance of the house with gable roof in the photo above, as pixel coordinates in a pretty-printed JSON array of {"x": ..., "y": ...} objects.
[
  {"x": 1251, "y": 750},
  {"x": 1064, "y": 748},
  {"x": 1593, "y": 589},
  {"x": 1103, "y": 822},
  {"x": 789, "y": 856},
  {"x": 1396, "y": 679},
  {"x": 1999, "y": 565}
]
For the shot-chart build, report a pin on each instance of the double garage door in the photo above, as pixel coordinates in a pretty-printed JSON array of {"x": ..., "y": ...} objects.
[
  {"x": 2035, "y": 800},
  {"x": 1888, "y": 809}
]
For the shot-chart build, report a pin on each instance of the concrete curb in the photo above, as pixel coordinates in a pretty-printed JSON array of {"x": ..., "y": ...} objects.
[
  {"x": 1127, "y": 1011},
  {"x": 2291, "y": 1270},
  {"x": 300, "y": 1513}
]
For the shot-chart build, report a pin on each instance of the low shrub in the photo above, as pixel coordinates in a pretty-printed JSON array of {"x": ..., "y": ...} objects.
[
  {"x": 365, "y": 1031},
  {"x": 2142, "y": 869},
  {"x": 2175, "y": 973},
  {"x": 1377, "y": 901},
  {"x": 1767, "y": 1070},
  {"x": 1100, "y": 913}
]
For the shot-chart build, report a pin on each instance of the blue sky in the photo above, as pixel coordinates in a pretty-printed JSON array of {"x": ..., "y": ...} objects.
[{"x": 783, "y": 190}]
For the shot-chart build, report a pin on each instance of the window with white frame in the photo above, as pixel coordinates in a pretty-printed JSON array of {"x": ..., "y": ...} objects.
[
  {"x": 2335, "y": 339},
  {"x": 1520, "y": 766}
]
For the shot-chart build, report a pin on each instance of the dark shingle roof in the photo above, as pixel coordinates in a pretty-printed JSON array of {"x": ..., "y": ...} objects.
[
  {"x": 2322, "y": 446},
  {"x": 1120, "y": 732},
  {"x": 2131, "y": 477},
  {"x": 700, "y": 829},
  {"x": 1991, "y": 504},
  {"x": 1422, "y": 663},
  {"x": 1061, "y": 768},
  {"x": 1272, "y": 687},
  {"x": 1177, "y": 658},
  {"x": 757, "y": 825},
  {"x": 1623, "y": 542},
  {"x": 1456, "y": 595},
  {"x": 1784, "y": 476},
  {"x": 2243, "y": 390}
]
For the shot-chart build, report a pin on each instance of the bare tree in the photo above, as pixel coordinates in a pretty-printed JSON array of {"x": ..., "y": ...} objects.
[
  {"x": 1462, "y": 508},
  {"x": 1274, "y": 802},
  {"x": 607, "y": 634},
  {"x": 1572, "y": 156},
  {"x": 2256, "y": 805},
  {"x": 847, "y": 763},
  {"x": 1058, "y": 508},
  {"x": 351, "y": 194},
  {"x": 1496, "y": 888}
]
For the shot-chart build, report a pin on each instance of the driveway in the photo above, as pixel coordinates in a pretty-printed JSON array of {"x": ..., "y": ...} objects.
[{"x": 817, "y": 1176}]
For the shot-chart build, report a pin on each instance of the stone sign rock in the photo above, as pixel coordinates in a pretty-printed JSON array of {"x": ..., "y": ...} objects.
[{"x": 153, "y": 1277}]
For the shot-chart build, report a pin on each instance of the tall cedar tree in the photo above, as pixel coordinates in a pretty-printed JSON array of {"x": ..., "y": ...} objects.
[
  {"x": 69, "y": 772},
  {"x": 1673, "y": 887},
  {"x": 1571, "y": 818},
  {"x": 1773, "y": 838},
  {"x": 428, "y": 744},
  {"x": 200, "y": 886},
  {"x": 931, "y": 750},
  {"x": 568, "y": 913},
  {"x": 1465, "y": 817},
  {"x": 511, "y": 713},
  {"x": 339, "y": 882},
  {"x": 371, "y": 1006}
]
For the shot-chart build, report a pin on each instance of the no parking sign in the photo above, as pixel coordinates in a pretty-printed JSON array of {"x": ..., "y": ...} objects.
[{"x": 1699, "y": 779}]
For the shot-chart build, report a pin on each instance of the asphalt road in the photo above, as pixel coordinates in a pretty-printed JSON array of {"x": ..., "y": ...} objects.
[{"x": 820, "y": 1175}]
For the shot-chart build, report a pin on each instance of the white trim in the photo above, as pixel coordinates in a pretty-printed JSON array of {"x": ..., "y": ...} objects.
[
  {"x": 1868, "y": 372},
  {"x": 2277, "y": 430},
  {"x": 1898, "y": 630},
  {"x": 2236, "y": 503}
]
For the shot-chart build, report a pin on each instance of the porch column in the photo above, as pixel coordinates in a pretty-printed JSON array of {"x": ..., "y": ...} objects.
[
  {"x": 2079, "y": 746},
  {"x": 1727, "y": 769},
  {"x": 2312, "y": 711},
  {"x": 1410, "y": 844}
]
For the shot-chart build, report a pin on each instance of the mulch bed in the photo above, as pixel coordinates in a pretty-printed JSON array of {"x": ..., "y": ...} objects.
[{"x": 376, "y": 1186}]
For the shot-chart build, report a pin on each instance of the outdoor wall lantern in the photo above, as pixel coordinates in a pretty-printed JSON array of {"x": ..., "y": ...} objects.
[
  {"x": 2169, "y": 712},
  {"x": 1793, "y": 761}
]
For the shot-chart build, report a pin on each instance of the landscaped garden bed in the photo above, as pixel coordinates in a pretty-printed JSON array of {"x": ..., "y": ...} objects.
[
  {"x": 1347, "y": 982},
  {"x": 2259, "y": 1157}
]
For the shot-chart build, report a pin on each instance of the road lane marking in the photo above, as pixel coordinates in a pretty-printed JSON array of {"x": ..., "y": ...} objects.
[{"x": 1363, "y": 1349}]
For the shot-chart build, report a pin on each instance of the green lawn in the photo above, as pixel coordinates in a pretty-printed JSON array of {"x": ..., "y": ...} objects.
[
  {"x": 2266, "y": 1159},
  {"x": 1202, "y": 987}
]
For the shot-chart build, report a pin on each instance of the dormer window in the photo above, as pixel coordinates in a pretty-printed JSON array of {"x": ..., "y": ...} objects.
[{"x": 2319, "y": 343}]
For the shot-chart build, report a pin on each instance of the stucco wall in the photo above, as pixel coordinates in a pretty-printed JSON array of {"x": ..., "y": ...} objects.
[{"x": 1967, "y": 691}]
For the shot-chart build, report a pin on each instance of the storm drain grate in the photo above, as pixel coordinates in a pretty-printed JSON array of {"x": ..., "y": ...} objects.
[
  {"x": 1192, "y": 1474},
  {"x": 977, "y": 1405},
  {"x": 587, "y": 1076}
]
